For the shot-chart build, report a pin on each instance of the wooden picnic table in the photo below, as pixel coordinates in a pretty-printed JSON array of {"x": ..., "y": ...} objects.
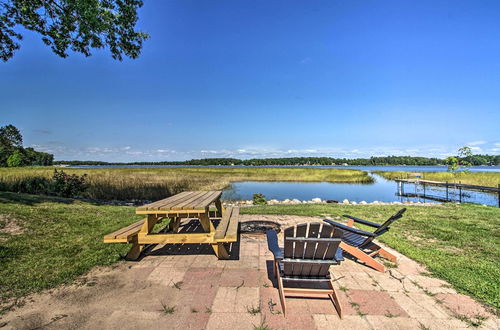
[{"x": 188, "y": 204}]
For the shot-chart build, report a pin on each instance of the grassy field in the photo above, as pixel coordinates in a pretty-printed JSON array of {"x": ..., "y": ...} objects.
[
  {"x": 488, "y": 179},
  {"x": 157, "y": 183},
  {"x": 458, "y": 243},
  {"x": 46, "y": 241}
]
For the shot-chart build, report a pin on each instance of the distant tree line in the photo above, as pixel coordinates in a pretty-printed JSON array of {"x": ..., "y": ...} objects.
[
  {"x": 13, "y": 154},
  {"x": 476, "y": 160}
]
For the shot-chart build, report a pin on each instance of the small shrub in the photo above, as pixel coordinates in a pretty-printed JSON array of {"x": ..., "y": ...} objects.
[
  {"x": 66, "y": 185},
  {"x": 259, "y": 199}
]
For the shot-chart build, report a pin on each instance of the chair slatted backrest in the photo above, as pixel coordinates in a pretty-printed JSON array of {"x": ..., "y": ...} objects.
[
  {"x": 386, "y": 225},
  {"x": 316, "y": 241}
]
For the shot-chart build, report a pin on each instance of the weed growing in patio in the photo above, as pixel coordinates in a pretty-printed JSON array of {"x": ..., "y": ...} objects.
[
  {"x": 475, "y": 322},
  {"x": 389, "y": 264},
  {"x": 262, "y": 326},
  {"x": 194, "y": 310},
  {"x": 253, "y": 310},
  {"x": 423, "y": 327},
  {"x": 167, "y": 309},
  {"x": 177, "y": 285},
  {"x": 271, "y": 305},
  {"x": 208, "y": 310},
  {"x": 354, "y": 304},
  {"x": 390, "y": 315}
]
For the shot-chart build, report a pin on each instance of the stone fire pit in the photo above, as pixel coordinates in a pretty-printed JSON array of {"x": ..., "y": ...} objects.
[{"x": 258, "y": 227}]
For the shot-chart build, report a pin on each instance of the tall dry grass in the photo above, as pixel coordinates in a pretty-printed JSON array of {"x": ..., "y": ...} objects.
[{"x": 157, "y": 183}]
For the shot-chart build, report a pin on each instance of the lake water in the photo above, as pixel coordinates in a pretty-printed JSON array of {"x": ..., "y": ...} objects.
[{"x": 381, "y": 190}]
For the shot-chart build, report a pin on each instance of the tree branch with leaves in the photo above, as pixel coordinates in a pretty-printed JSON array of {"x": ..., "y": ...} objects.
[{"x": 75, "y": 25}]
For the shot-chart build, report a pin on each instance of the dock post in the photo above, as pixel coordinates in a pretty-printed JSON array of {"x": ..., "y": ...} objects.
[
  {"x": 499, "y": 195},
  {"x": 423, "y": 184},
  {"x": 416, "y": 191},
  {"x": 447, "y": 191}
]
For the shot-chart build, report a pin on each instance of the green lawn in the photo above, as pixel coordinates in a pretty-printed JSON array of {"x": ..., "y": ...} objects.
[
  {"x": 60, "y": 240},
  {"x": 47, "y": 241},
  {"x": 458, "y": 243}
]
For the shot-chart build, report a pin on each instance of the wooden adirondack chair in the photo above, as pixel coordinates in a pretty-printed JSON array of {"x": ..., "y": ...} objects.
[
  {"x": 359, "y": 243},
  {"x": 309, "y": 252}
]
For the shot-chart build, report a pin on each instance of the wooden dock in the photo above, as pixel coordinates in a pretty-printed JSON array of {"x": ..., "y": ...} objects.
[
  {"x": 452, "y": 185},
  {"x": 447, "y": 185}
]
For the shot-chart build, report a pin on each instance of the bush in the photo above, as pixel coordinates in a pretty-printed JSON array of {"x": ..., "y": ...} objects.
[
  {"x": 66, "y": 185},
  {"x": 259, "y": 199}
]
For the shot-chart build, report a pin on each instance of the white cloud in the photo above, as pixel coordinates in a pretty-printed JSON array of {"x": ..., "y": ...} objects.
[
  {"x": 476, "y": 143},
  {"x": 476, "y": 148}
]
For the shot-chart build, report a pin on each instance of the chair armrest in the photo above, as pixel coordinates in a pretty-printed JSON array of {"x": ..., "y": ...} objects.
[
  {"x": 364, "y": 222},
  {"x": 350, "y": 229},
  {"x": 272, "y": 244}
]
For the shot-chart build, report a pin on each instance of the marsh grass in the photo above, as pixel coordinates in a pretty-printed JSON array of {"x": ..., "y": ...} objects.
[
  {"x": 158, "y": 183},
  {"x": 487, "y": 179}
]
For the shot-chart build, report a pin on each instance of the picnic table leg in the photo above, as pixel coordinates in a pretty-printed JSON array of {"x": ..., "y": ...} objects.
[
  {"x": 219, "y": 249},
  {"x": 174, "y": 224},
  {"x": 220, "y": 209},
  {"x": 135, "y": 250}
]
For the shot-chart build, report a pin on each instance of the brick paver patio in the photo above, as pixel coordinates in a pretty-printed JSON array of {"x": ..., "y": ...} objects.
[{"x": 197, "y": 291}]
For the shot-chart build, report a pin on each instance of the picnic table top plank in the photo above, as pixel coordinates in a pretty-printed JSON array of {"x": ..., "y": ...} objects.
[
  {"x": 190, "y": 204},
  {"x": 208, "y": 198},
  {"x": 187, "y": 200},
  {"x": 157, "y": 204},
  {"x": 171, "y": 201}
]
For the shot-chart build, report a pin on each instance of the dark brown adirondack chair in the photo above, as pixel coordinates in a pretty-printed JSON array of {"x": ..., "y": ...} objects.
[
  {"x": 309, "y": 252},
  {"x": 359, "y": 243}
]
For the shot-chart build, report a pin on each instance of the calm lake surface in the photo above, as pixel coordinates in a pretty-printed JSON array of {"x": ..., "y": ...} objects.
[{"x": 381, "y": 190}]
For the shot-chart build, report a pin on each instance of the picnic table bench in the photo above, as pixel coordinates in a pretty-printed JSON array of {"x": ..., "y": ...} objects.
[{"x": 186, "y": 205}]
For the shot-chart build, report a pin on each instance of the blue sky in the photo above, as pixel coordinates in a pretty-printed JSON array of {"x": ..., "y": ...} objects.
[{"x": 246, "y": 79}]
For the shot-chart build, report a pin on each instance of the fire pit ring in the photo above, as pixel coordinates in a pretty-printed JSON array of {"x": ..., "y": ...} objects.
[{"x": 258, "y": 227}]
